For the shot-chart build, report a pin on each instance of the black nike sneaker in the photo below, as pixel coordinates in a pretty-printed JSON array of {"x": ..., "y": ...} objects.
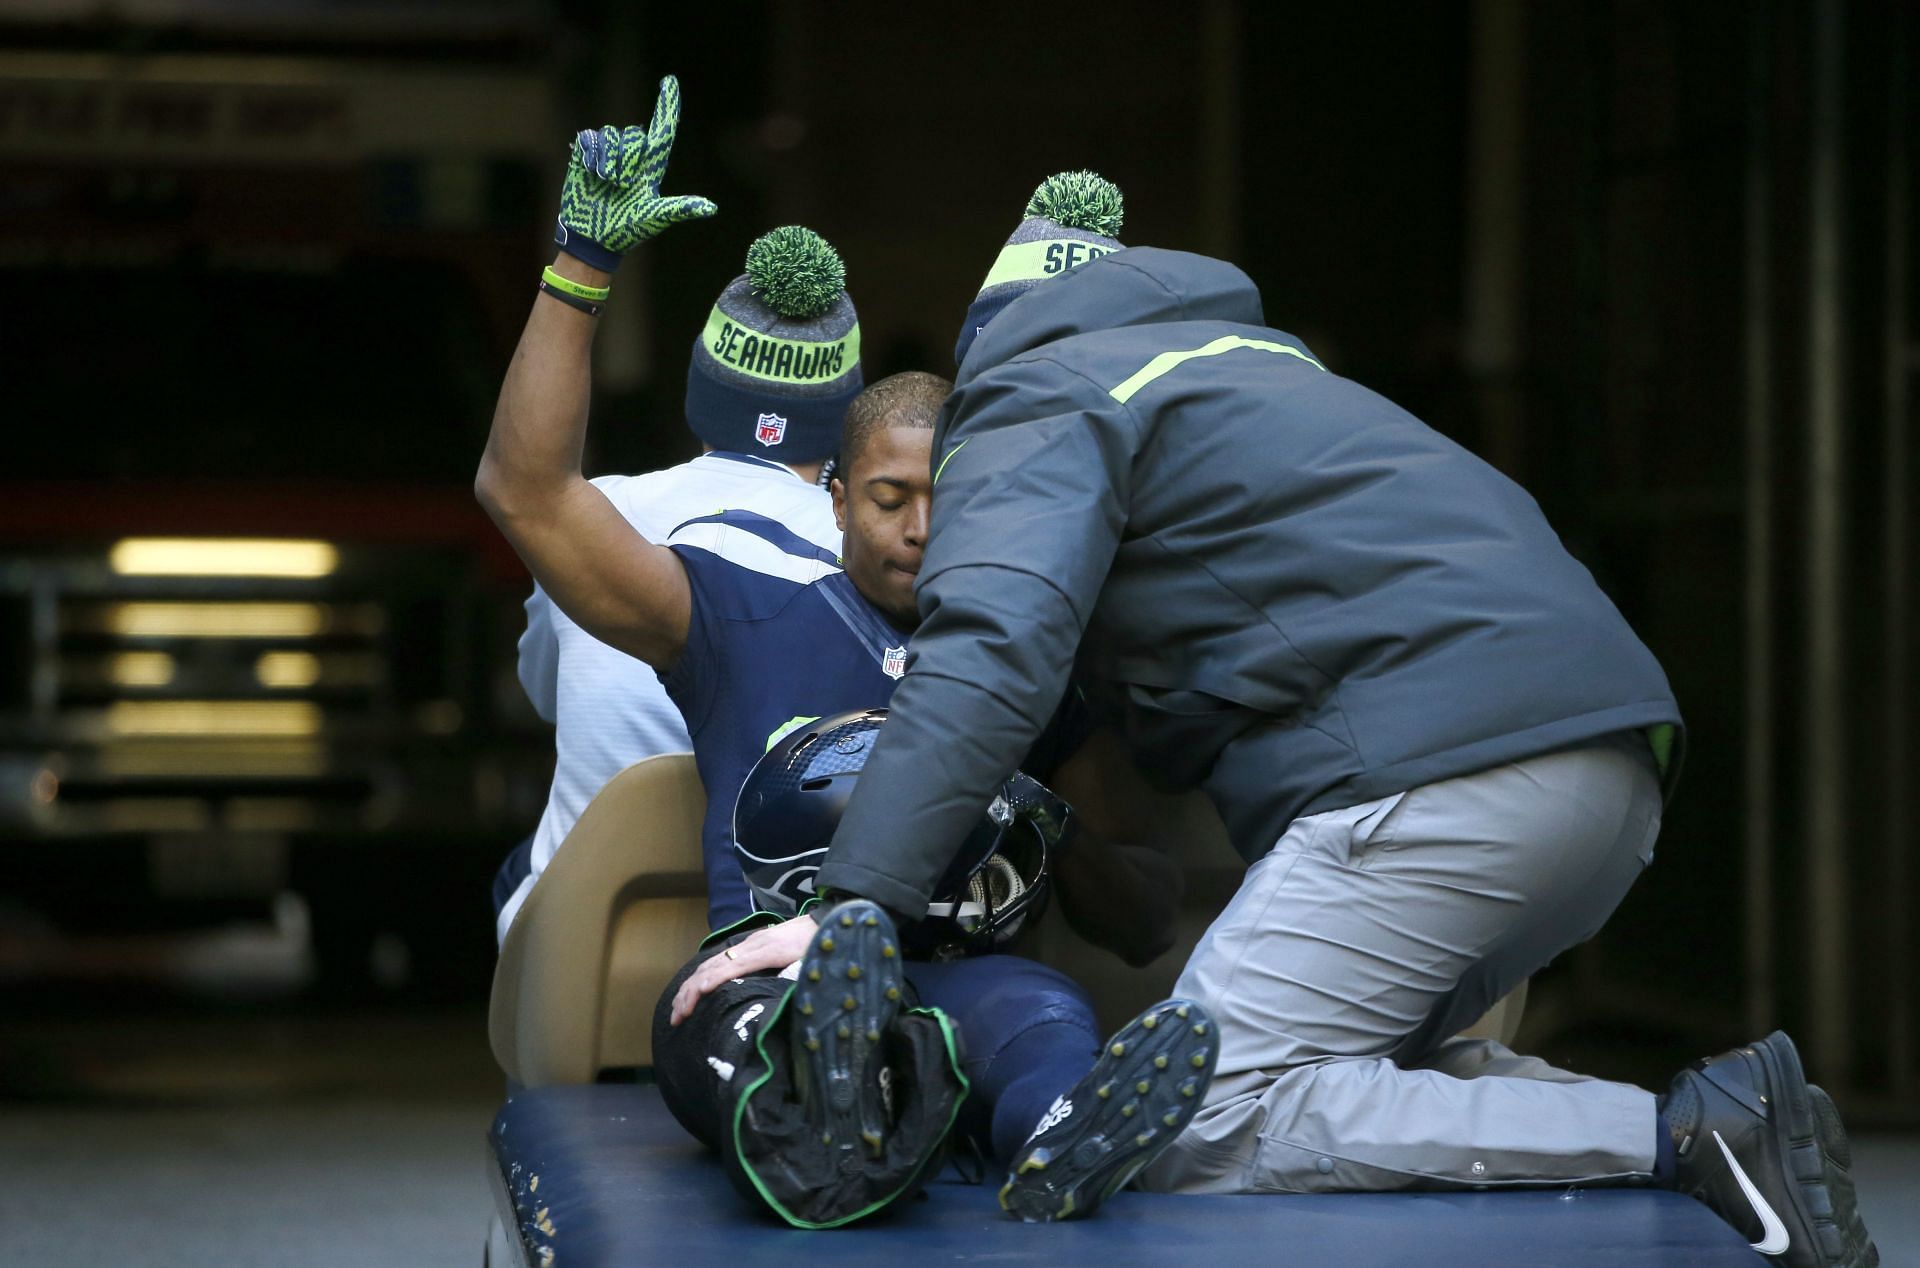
[
  {"x": 1766, "y": 1151},
  {"x": 848, "y": 1093},
  {"x": 1144, "y": 1089}
]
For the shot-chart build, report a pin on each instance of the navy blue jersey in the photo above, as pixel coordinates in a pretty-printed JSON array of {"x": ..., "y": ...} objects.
[{"x": 778, "y": 635}]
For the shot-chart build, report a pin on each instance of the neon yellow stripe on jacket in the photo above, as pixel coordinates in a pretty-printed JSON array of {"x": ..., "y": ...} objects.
[{"x": 1166, "y": 362}]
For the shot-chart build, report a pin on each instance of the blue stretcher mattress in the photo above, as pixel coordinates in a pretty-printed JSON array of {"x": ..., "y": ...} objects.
[{"x": 602, "y": 1176}]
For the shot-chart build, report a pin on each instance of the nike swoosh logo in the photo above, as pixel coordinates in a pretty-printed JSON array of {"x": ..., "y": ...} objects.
[{"x": 1773, "y": 1233}]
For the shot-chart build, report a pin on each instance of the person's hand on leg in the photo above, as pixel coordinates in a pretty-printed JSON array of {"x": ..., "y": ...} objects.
[{"x": 773, "y": 948}]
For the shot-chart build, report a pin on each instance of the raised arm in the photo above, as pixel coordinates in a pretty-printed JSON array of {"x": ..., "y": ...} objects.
[{"x": 619, "y": 587}]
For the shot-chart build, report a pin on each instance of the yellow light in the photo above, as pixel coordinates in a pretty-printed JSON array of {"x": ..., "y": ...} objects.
[
  {"x": 287, "y": 669},
  {"x": 172, "y": 756},
  {"x": 155, "y": 814},
  {"x": 212, "y": 717},
  {"x": 216, "y": 620},
  {"x": 141, "y": 669},
  {"x": 223, "y": 557}
]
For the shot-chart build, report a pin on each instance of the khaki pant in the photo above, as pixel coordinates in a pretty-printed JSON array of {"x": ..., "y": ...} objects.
[{"x": 1367, "y": 938}]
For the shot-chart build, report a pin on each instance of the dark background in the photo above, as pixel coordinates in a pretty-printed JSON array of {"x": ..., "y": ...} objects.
[{"x": 1653, "y": 260}]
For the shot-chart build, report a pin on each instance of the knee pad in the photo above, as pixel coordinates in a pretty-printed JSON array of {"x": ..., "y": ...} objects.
[{"x": 696, "y": 1062}]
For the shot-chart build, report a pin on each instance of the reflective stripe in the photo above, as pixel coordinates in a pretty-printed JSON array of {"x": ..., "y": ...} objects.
[
  {"x": 1167, "y": 361},
  {"x": 949, "y": 458},
  {"x": 779, "y": 360},
  {"x": 1047, "y": 257}
]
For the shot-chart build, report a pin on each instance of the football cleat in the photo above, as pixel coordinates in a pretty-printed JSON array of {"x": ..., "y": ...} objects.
[
  {"x": 848, "y": 1093},
  {"x": 1144, "y": 1089},
  {"x": 847, "y": 998}
]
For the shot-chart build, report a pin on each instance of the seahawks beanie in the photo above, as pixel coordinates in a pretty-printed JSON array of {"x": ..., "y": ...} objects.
[
  {"x": 1071, "y": 218},
  {"x": 779, "y": 361}
]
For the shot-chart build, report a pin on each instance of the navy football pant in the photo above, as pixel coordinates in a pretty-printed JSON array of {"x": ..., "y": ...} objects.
[{"x": 1027, "y": 1032}]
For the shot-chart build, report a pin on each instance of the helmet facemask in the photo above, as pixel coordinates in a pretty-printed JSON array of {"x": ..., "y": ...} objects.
[{"x": 792, "y": 800}]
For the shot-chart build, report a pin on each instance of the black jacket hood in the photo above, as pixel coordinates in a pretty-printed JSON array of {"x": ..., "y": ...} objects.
[{"x": 1140, "y": 286}]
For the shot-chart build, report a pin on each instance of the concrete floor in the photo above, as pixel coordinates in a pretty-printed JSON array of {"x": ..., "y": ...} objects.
[
  {"x": 244, "y": 1135},
  {"x": 144, "y": 1125},
  {"x": 295, "y": 1186}
]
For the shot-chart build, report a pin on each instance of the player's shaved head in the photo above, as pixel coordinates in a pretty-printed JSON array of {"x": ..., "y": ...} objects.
[
  {"x": 909, "y": 399},
  {"x": 883, "y": 488}
]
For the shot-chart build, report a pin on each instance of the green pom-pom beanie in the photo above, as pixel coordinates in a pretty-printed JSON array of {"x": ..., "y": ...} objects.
[
  {"x": 779, "y": 360},
  {"x": 1072, "y": 218}
]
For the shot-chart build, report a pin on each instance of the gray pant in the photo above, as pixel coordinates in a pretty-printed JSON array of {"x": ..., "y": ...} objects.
[{"x": 1369, "y": 936}]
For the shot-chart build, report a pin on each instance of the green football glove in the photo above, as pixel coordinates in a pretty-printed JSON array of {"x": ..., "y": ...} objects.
[{"x": 611, "y": 201}]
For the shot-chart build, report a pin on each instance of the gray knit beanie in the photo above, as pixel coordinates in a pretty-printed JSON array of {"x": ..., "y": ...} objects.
[
  {"x": 779, "y": 360},
  {"x": 1072, "y": 218}
]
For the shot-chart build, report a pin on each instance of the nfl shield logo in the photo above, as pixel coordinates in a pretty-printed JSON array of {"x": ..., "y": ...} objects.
[
  {"x": 894, "y": 663},
  {"x": 771, "y": 430}
]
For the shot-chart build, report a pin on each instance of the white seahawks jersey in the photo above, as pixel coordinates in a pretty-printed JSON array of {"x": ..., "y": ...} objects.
[{"x": 608, "y": 709}]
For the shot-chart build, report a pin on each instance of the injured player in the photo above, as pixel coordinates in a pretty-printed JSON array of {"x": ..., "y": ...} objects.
[{"x": 752, "y": 630}]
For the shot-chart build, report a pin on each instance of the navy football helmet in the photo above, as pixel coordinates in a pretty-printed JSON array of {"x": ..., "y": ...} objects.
[{"x": 791, "y": 804}]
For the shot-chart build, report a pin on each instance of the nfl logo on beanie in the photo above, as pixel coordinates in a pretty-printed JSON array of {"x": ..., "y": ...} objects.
[{"x": 779, "y": 360}]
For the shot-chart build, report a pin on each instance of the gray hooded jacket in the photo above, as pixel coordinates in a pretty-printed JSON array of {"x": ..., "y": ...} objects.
[{"x": 1295, "y": 594}]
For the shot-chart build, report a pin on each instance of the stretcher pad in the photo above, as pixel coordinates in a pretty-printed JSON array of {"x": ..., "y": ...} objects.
[{"x": 600, "y": 1176}]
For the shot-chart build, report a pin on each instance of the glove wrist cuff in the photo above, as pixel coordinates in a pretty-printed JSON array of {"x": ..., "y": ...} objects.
[{"x": 585, "y": 250}]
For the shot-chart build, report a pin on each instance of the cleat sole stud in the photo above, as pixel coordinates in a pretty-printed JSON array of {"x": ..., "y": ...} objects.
[
  {"x": 853, "y": 972},
  {"x": 846, "y": 920},
  {"x": 1143, "y": 1087},
  {"x": 1181, "y": 1012},
  {"x": 893, "y": 992},
  {"x": 1160, "y": 1062},
  {"x": 826, "y": 946},
  {"x": 1199, "y": 1059},
  {"x": 813, "y": 975},
  {"x": 1149, "y": 1022},
  {"x": 850, "y": 1003},
  {"x": 1118, "y": 1050},
  {"x": 1104, "y": 1091}
]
